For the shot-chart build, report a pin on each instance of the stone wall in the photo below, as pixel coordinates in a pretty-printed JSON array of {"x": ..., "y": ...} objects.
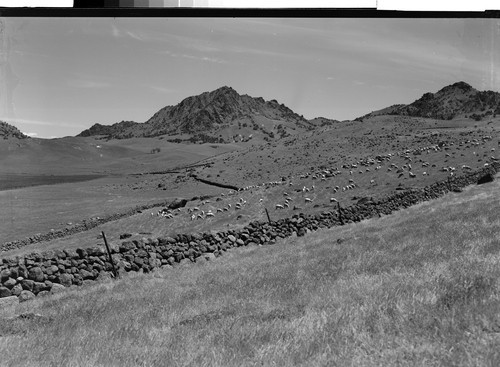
[
  {"x": 87, "y": 224},
  {"x": 41, "y": 273}
]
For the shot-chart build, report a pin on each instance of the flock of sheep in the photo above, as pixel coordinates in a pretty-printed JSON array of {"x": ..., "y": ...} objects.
[{"x": 309, "y": 194}]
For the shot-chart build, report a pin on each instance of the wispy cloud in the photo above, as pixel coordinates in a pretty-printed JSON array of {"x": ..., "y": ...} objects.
[
  {"x": 193, "y": 57},
  {"x": 20, "y": 121},
  {"x": 118, "y": 33},
  {"x": 135, "y": 36},
  {"x": 88, "y": 84}
]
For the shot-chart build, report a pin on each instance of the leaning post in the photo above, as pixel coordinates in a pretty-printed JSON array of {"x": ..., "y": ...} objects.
[
  {"x": 109, "y": 254},
  {"x": 267, "y": 213},
  {"x": 340, "y": 213}
]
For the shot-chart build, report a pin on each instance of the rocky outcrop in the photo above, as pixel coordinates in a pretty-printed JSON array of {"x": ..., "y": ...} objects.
[
  {"x": 111, "y": 131},
  {"x": 41, "y": 273},
  {"x": 201, "y": 114},
  {"x": 451, "y": 101},
  {"x": 9, "y": 131}
]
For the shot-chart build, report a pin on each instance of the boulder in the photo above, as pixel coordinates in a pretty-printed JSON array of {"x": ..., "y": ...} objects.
[
  {"x": 65, "y": 279},
  {"x": 39, "y": 286},
  {"x": 178, "y": 203},
  {"x": 82, "y": 253},
  {"x": 56, "y": 288},
  {"x": 10, "y": 283},
  {"x": 71, "y": 253},
  {"x": 27, "y": 284},
  {"x": 26, "y": 295},
  {"x": 486, "y": 178},
  {"x": 86, "y": 274},
  {"x": 16, "y": 290},
  {"x": 185, "y": 262},
  {"x": 155, "y": 263},
  {"x": 5, "y": 274},
  {"x": 126, "y": 246},
  {"x": 5, "y": 292},
  {"x": 36, "y": 274}
]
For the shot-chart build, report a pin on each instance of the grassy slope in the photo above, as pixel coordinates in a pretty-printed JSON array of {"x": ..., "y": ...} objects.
[
  {"x": 71, "y": 155},
  {"x": 415, "y": 288}
]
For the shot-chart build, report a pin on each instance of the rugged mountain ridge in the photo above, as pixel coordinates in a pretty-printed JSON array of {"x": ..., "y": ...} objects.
[
  {"x": 455, "y": 100},
  {"x": 110, "y": 130},
  {"x": 9, "y": 131},
  {"x": 205, "y": 113}
]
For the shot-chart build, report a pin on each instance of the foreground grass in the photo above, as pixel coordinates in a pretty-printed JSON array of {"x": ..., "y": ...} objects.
[{"x": 419, "y": 287}]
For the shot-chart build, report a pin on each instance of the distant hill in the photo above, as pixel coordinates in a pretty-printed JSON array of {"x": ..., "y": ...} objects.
[
  {"x": 323, "y": 121},
  {"x": 110, "y": 130},
  {"x": 222, "y": 115},
  {"x": 456, "y": 100},
  {"x": 9, "y": 131}
]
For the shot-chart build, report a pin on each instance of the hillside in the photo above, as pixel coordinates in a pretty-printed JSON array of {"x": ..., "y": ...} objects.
[
  {"x": 222, "y": 115},
  {"x": 9, "y": 131},
  {"x": 323, "y": 122},
  {"x": 452, "y": 101},
  {"x": 413, "y": 289}
]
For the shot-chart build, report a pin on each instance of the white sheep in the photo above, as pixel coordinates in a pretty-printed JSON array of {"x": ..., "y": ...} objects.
[{"x": 308, "y": 200}]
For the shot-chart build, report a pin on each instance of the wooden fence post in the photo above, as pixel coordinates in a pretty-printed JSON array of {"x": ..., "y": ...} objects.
[
  {"x": 109, "y": 254},
  {"x": 340, "y": 213},
  {"x": 267, "y": 213}
]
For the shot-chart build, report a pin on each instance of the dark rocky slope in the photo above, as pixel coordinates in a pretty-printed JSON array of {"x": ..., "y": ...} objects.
[{"x": 456, "y": 100}]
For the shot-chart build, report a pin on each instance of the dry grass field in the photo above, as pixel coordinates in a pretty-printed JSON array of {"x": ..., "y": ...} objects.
[{"x": 416, "y": 288}]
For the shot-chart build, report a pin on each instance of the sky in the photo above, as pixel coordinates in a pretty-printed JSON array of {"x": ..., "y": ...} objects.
[{"x": 60, "y": 76}]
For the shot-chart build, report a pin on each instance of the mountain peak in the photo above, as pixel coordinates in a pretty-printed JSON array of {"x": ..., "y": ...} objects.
[
  {"x": 455, "y": 100},
  {"x": 224, "y": 88},
  {"x": 462, "y": 86},
  {"x": 220, "y": 111}
]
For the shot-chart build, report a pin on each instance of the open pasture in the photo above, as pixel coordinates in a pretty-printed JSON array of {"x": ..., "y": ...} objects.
[
  {"x": 323, "y": 175},
  {"x": 416, "y": 288},
  {"x": 16, "y": 181}
]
